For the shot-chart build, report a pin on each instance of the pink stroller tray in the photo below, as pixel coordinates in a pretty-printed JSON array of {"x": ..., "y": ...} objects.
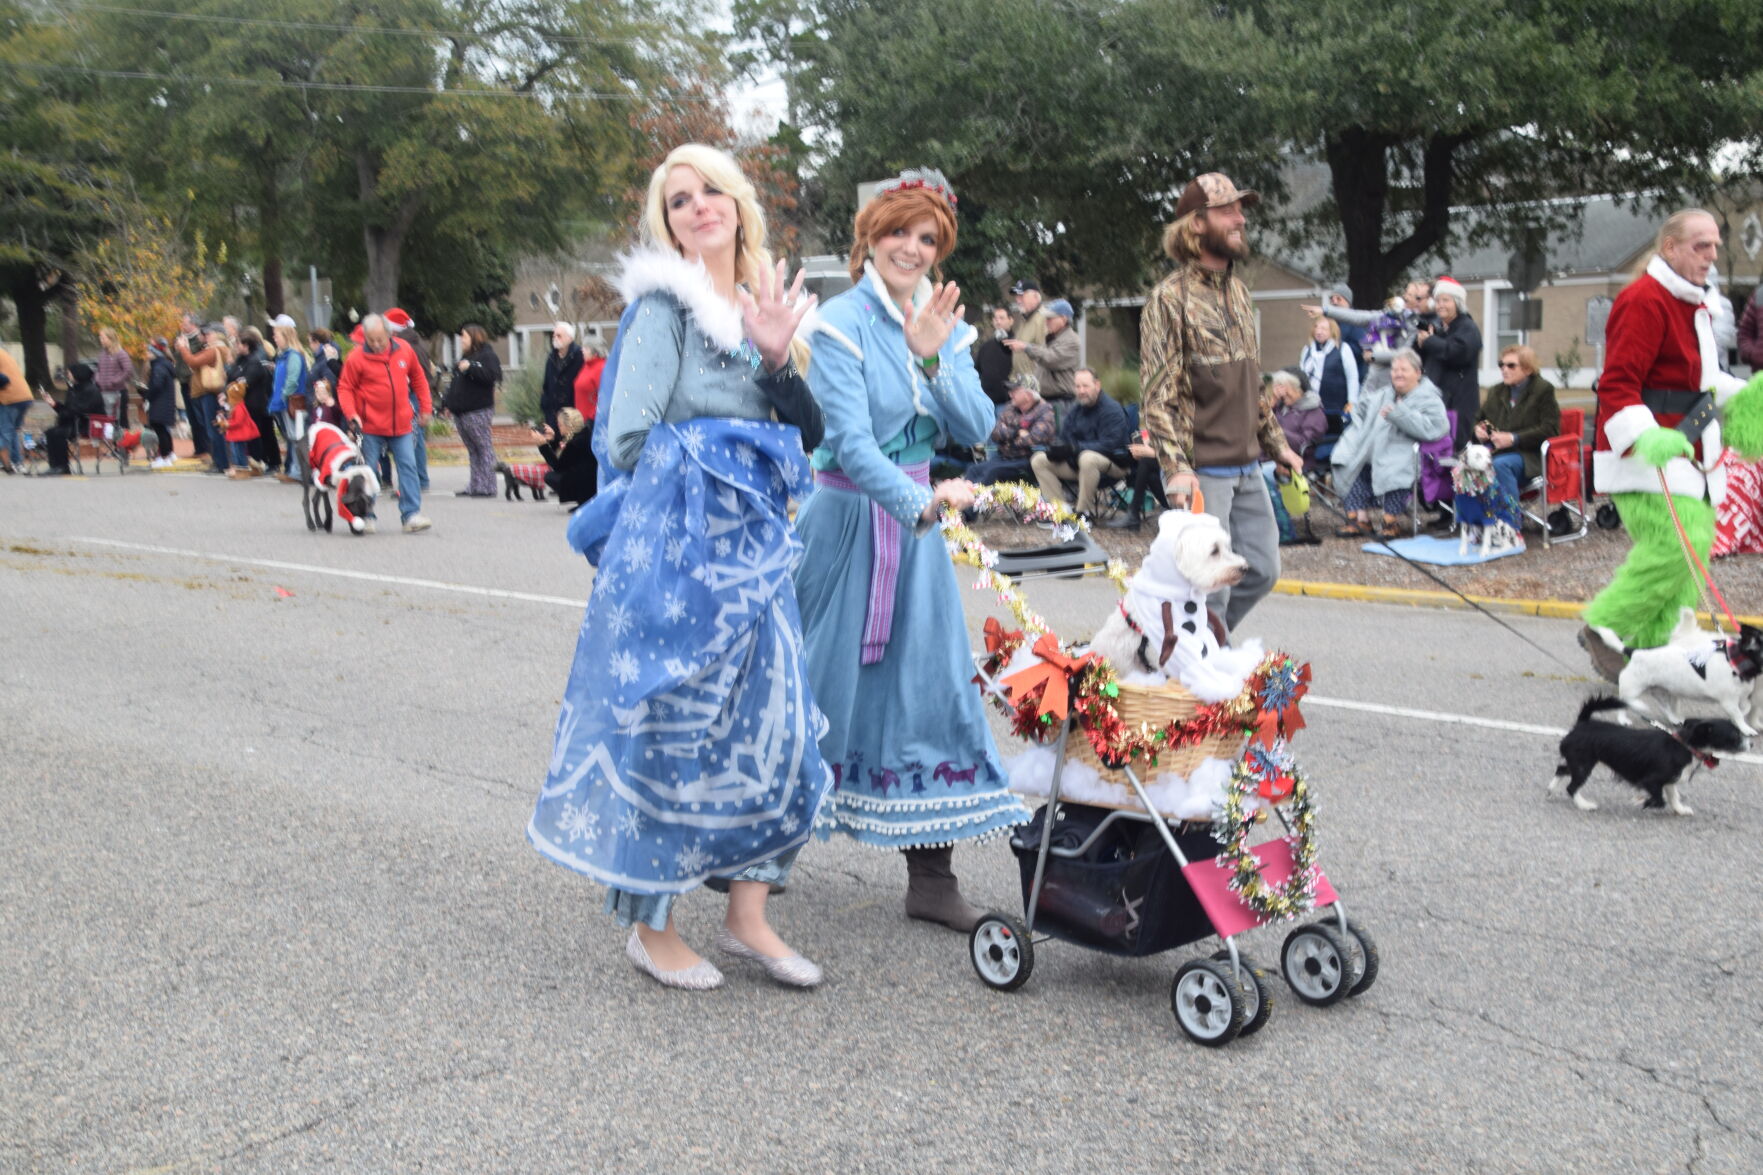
[{"x": 1227, "y": 912}]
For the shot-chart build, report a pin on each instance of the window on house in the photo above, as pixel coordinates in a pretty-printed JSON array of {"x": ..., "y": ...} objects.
[{"x": 1506, "y": 332}]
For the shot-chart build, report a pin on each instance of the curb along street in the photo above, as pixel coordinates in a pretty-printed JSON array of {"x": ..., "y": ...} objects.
[{"x": 1551, "y": 609}]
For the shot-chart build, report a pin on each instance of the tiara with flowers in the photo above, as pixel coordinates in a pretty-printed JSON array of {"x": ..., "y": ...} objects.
[{"x": 928, "y": 178}]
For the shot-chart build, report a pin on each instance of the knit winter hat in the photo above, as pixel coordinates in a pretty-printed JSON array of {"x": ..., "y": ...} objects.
[{"x": 1451, "y": 288}]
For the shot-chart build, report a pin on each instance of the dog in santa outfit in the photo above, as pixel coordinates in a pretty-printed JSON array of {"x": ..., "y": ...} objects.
[
  {"x": 1664, "y": 405},
  {"x": 336, "y": 467}
]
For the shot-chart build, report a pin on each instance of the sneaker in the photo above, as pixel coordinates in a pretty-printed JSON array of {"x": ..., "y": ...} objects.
[
  {"x": 368, "y": 526},
  {"x": 415, "y": 523}
]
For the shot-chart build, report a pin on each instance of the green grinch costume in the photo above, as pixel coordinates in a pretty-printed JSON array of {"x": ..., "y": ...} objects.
[{"x": 1665, "y": 412}]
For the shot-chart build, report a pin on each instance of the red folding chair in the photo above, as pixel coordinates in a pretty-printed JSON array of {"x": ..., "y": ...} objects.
[{"x": 1562, "y": 485}]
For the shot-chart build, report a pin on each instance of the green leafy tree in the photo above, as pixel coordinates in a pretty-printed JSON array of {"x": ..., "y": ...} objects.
[
  {"x": 1071, "y": 126},
  {"x": 60, "y": 181}
]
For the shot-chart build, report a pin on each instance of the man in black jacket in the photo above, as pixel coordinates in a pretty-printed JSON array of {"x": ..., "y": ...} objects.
[
  {"x": 562, "y": 365},
  {"x": 1092, "y": 446},
  {"x": 992, "y": 359}
]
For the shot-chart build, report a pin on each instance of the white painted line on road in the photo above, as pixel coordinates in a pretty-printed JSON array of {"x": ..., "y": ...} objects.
[
  {"x": 1468, "y": 720},
  {"x": 340, "y": 573},
  {"x": 532, "y": 598}
]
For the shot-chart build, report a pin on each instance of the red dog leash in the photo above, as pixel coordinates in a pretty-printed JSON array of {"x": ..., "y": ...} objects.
[{"x": 1696, "y": 562}]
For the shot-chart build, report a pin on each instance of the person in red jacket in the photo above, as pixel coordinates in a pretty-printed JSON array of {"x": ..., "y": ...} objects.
[
  {"x": 384, "y": 391},
  {"x": 1660, "y": 359}
]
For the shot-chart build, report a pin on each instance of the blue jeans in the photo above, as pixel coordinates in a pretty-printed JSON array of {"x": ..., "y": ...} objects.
[
  {"x": 403, "y": 450},
  {"x": 240, "y": 452},
  {"x": 202, "y": 411},
  {"x": 1509, "y": 471},
  {"x": 422, "y": 446},
  {"x": 1280, "y": 515},
  {"x": 11, "y": 428}
]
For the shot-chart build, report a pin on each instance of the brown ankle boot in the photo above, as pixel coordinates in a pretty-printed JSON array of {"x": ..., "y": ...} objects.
[{"x": 932, "y": 892}]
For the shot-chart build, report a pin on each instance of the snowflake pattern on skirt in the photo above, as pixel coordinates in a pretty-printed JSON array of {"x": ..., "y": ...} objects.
[{"x": 687, "y": 742}]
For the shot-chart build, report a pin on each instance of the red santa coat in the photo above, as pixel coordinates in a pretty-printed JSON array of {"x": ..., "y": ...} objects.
[
  {"x": 331, "y": 453},
  {"x": 1660, "y": 337}
]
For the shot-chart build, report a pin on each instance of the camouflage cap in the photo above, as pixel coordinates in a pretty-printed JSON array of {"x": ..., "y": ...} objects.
[
  {"x": 1213, "y": 190},
  {"x": 1024, "y": 381}
]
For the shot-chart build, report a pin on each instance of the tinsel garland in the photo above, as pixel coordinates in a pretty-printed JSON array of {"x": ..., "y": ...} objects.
[
  {"x": 1268, "y": 704},
  {"x": 1031, "y": 506},
  {"x": 1268, "y": 773}
]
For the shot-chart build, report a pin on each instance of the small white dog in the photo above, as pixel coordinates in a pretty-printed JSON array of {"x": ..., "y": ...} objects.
[
  {"x": 1483, "y": 516},
  {"x": 1160, "y": 629},
  {"x": 1696, "y": 665}
]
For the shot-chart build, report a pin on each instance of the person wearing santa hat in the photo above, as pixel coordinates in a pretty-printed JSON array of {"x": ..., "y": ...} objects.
[
  {"x": 1663, "y": 403},
  {"x": 1452, "y": 354},
  {"x": 404, "y": 327}
]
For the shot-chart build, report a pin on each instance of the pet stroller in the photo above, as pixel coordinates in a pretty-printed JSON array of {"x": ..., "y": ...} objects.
[{"x": 1125, "y": 878}]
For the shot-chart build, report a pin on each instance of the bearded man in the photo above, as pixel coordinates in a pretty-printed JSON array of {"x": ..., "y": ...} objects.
[
  {"x": 1661, "y": 400},
  {"x": 1203, "y": 406}
]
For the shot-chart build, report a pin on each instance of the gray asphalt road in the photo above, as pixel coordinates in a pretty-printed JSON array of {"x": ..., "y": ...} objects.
[{"x": 266, "y": 904}]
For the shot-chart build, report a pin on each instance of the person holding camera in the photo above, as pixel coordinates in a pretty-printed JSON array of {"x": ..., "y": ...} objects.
[
  {"x": 574, "y": 472},
  {"x": 1092, "y": 445}
]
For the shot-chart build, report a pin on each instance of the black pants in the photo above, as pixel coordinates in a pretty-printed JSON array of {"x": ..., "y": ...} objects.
[
  {"x": 265, "y": 448},
  {"x": 164, "y": 434},
  {"x": 55, "y": 442},
  {"x": 1147, "y": 480}
]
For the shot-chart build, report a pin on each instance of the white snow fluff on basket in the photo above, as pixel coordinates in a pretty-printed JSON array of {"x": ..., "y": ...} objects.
[{"x": 1196, "y": 796}]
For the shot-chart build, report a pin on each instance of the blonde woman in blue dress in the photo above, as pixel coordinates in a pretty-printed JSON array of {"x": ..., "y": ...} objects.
[
  {"x": 916, "y": 767},
  {"x": 686, "y": 752}
]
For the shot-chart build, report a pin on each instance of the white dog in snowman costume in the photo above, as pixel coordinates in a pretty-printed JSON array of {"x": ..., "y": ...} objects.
[{"x": 1160, "y": 628}]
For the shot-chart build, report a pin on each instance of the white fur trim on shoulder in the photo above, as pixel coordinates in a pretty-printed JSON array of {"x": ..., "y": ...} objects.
[
  {"x": 821, "y": 326},
  {"x": 920, "y": 293},
  {"x": 1675, "y": 284},
  {"x": 964, "y": 335},
  {"x": 659, "y": 271}
]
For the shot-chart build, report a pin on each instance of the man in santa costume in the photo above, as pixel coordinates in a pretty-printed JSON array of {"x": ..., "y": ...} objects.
[{"x": 1653, "y": 416}]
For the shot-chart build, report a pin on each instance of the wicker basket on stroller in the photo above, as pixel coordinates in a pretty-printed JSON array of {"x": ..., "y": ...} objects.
[{"x": 1157, "y": 707}]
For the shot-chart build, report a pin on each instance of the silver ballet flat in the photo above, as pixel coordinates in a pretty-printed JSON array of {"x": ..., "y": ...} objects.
[
  {"x": 700, "y": 976},
  {"x": 791, "y": 971}
]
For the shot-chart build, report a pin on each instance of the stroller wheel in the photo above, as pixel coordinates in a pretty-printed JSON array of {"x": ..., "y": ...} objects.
[
  {"x": 1257, "y": 997},
  {"x": 1607, "y": 517},
  {"x": 1207, "y": 1003},
  {"x": 1364, "y": 960},
  {"x": 1002, "y": 954},
  {"x": 1317, "y": 965}
]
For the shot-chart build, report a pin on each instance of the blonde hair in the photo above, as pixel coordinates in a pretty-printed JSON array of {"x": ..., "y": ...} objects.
[
  {"x": 287, "y": 338},
  {"x": 1527, "y": 358},
  {"x": 569, "y": 422},
  {"x": 1181, "y": 239},
  {"x": 720, "y": 171},
  {"x": 1334, "y": 328}
]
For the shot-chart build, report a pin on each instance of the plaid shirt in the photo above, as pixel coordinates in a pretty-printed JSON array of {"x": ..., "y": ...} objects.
[{"x": 1195, "y": 316}]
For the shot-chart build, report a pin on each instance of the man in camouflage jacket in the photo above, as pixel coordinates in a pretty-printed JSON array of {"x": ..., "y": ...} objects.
[{"x": 1203, "y": 404}]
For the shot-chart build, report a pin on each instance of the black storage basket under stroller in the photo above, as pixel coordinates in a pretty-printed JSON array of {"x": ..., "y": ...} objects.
[{"x": 1126, "y": 894}]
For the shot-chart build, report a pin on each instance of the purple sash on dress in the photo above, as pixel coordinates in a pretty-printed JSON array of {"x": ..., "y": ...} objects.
[{"x": 884, "y": 569}]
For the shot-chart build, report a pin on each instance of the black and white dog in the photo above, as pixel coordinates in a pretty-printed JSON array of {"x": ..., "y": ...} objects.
[
  {"x": 1651, "y": 759},
  {"x": 1694, "y": 666}
]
